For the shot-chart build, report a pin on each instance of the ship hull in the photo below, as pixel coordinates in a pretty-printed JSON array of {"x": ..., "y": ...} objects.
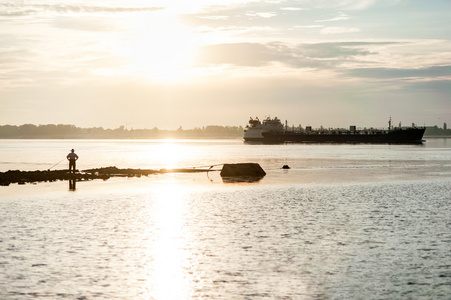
[{"x": 405, "y": 136}]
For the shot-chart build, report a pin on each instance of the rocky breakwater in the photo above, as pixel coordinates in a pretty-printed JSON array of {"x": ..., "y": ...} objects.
[{"x": 22, "y": 177}]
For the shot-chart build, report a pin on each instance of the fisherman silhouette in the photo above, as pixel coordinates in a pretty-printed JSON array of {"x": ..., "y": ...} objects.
[{"x": 72, "y": 158}]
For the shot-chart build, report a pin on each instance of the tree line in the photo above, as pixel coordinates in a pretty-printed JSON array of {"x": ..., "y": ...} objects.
[
  {"x": 437, "y": 131},
  {"x": 63, "y": 131}
]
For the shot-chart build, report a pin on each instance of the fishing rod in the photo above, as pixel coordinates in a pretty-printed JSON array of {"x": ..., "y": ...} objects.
[{"x": 56, "y": 164}]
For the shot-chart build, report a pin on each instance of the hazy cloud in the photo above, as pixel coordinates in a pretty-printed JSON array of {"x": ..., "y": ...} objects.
[
  {"x": 431, "y": 72},
  {"x": 84, "y": 23},
  {"x": 336, "y": 50},
  {"x": 242, "y": 54},
  {"x": 351, "y": 4},
  {"x": 339, "y": 17},
  {"x": 231, "y": 29},
  {"x": 319, "y": 55},
  {"x": 357, "y": 4},
  {"x": 339, "y": 30},
  {"x": 292, "y": 8},
  {"x": 18, "y": 9},
  {"x": 215, "y": 17},
  {"x": 309, "y": 26},
  {"x": 261, "y": 14}
]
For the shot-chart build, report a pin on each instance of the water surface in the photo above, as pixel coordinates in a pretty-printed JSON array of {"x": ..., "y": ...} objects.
[{"x": 346, "y": 222}]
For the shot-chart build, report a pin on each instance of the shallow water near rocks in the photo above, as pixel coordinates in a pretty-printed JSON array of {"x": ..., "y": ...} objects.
[{"x": 345, "y": 222}]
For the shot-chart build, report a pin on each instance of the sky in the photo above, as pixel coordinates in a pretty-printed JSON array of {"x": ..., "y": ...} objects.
[{"x": 166, "y": 64}]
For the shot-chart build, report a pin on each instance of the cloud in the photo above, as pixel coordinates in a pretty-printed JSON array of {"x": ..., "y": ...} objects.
[
  {"x": 214, "y": 17},
  {"x": 345, "y": 58},
  {"x": 241, "y": 54},
  {"x": 231, "y": 29},
  {"x": 292, "y": 8},
  {"x": 309, "y": 26},
  {"x": 357, "y": 4},
  {"x": 348, "y": 4},
  {"x": 336, "y": 50},
  {"x": 431, "y": 72},
  {"x": 84, "y": 23},
  {"x": 265, "y": 15},
  {"x": 321, "y": 55},
  {"x": 339, "y": 30},
  {"x": 340, "y": 17},
  {"x": 101, "y": 9},
  {"x": 17, "y": 9}
]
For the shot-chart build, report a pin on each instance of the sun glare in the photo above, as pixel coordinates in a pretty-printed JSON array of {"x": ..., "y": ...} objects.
[
  {"x": 162, "y": 48},
  {"x": 170, "y": 154}
]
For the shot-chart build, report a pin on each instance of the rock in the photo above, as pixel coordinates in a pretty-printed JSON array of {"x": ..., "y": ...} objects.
[{"x": 242, "y": 169}]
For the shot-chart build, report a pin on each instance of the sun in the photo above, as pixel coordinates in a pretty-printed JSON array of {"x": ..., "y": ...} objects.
[{"x": 161, "y": 48}]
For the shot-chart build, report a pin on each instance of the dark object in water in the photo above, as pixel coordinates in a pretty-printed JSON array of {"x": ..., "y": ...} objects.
[
  {"x": 273, "y": 131},
  {"x": 22, "y": 177},
  {"x": 286, "y": 167},
  {"x": 243, "y": 169}
]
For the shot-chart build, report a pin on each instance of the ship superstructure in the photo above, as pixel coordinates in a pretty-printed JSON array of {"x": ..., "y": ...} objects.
[{"x": 256, "y": 128}]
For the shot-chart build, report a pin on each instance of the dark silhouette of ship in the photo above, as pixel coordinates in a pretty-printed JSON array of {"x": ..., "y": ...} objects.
[{"x": 272, "y": 131}]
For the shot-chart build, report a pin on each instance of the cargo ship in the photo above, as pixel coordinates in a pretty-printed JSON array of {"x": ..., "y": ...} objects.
[{"x": 273, "y": 131}]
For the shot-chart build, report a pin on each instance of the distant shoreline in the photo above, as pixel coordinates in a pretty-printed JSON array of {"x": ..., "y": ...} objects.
[
  {"x": 122, "y": 138},
  {"x": 166, "y": 138},
  {"x": 62, "y": 131}
]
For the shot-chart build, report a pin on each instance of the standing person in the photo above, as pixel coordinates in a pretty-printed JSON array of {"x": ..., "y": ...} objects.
[{"x": 72, "y": 158}]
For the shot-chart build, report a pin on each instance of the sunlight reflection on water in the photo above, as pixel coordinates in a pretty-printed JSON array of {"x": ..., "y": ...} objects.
[
  {"x": 169, "y": 154},
  {"x": 167, "y": 277}
]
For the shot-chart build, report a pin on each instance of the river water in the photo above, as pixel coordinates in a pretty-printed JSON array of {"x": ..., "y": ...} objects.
[{"x": 345, "y": 222}]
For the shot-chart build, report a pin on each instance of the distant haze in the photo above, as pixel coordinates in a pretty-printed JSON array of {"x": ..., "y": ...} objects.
[{"x": 165, "y": 64}]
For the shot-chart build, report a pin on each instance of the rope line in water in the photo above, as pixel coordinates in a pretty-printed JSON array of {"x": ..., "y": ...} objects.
[{"x": 211, "y": 166}]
